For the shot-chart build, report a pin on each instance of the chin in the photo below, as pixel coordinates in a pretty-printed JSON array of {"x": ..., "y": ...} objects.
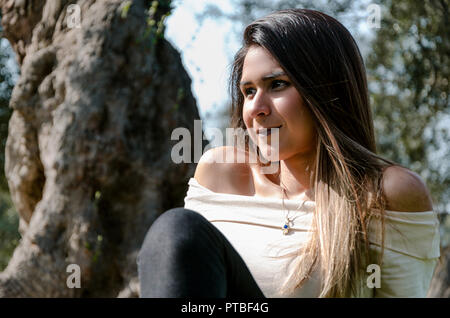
[{"x": 270, "y": 154}]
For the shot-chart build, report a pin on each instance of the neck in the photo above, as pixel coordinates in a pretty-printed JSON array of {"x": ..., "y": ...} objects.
[{"x": 294, "y": 177}]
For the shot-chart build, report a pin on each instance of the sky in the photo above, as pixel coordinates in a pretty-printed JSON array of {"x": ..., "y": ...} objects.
[{"x": 207, "y": 50}]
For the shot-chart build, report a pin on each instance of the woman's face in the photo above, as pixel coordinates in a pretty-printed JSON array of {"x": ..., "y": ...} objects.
[{"x": 271, "y": 100}]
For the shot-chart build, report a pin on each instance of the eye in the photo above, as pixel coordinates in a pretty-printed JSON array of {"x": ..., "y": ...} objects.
[
  {"x": 276, "y": 84},
  {"x": 249, "y": 91}
]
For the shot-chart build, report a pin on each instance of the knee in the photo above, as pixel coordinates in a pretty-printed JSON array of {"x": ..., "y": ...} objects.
[
  {"x": 172, "y": 230},
  {"x": 175, "y": 221}
]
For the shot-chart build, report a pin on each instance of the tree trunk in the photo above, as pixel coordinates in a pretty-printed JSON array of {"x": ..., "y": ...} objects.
[{"x": 88, "y": 156}]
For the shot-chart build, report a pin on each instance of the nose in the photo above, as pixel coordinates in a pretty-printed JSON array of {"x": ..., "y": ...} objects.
[{"x": 260, "y": 105}]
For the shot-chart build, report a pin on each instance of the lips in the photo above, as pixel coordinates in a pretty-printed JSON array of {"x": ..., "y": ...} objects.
[{"x": 266, "y": 131}]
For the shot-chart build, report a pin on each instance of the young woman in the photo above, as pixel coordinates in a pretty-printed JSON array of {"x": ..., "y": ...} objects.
[{"x": 335, "y": 220}]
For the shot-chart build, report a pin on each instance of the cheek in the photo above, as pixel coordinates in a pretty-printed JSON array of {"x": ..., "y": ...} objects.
[
  {"x": 300, "y": 122},
  {"x": 306, "y": 129},
  {"x": 248, "y": 124},
  {"x": 246, "y": 117}
]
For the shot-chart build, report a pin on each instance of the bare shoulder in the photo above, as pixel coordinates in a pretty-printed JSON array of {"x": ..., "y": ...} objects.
[
  {"x": 405, "y": 191},
  {"x": 220, "y": 171}
]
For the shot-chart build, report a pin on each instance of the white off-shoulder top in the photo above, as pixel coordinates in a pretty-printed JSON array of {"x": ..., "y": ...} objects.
[{"x": 253, "y": 226}]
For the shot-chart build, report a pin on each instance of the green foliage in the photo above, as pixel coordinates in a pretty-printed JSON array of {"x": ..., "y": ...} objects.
[
  {"x": 98, "y": 248},
  {"x": 156, "y": 16},
  {"x": 247, "y": 11},
  {"x": 9, "y": 224},
  {"x": 180, "y": 96},
  {"x": 125, "y": 7},
  {"x": 409, "y": 71}
]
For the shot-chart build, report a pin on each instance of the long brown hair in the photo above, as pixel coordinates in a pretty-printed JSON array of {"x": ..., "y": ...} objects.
[{"x": 324, "y": 63}]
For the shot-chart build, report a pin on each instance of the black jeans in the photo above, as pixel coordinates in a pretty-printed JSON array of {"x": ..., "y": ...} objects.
[{"x": 184, "y": 255}]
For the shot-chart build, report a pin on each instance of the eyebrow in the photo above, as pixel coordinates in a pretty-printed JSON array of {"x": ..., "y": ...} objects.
[{"x": 266, "y": 77}]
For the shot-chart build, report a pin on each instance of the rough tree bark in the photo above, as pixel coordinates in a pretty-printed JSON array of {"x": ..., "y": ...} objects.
[{"x": 88, "y": 153}]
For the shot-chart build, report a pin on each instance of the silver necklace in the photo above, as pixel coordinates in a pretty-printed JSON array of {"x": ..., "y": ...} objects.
[{"x": 288, "y": 222}]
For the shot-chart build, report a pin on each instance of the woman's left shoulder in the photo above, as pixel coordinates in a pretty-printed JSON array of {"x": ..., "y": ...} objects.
[{"x": 405, "y": 190}]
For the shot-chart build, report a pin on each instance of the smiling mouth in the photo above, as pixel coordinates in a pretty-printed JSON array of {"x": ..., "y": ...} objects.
[{"x": 266, "y": 131}]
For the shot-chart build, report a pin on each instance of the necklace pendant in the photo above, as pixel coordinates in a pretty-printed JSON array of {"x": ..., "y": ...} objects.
[{"x": 285, "y": 228}]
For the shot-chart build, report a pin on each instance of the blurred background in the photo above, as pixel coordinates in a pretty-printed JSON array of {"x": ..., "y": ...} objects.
[
  {"x": 406, "y": 52},
  {"x": 406, "y": 56}
]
